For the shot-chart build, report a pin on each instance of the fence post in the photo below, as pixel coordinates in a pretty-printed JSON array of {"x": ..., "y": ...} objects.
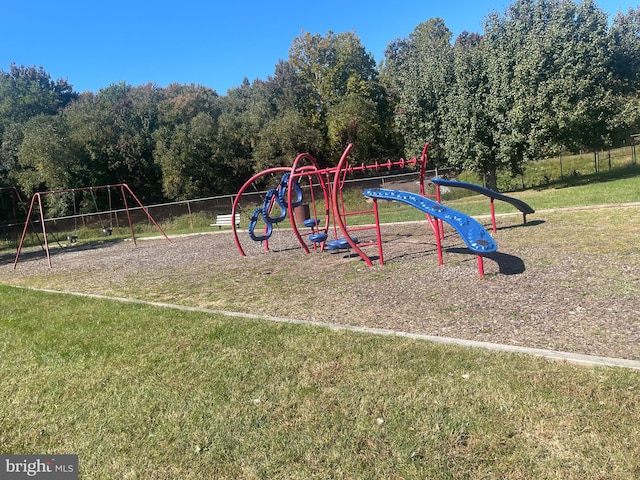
[{"x": 561, "y": 176}]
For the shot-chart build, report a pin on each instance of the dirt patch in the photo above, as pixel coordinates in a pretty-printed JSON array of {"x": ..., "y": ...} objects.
[{"x": 554, "y": 284}]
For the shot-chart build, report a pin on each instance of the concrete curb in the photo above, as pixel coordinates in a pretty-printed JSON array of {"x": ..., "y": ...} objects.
[{"x": 589, "y": 360}]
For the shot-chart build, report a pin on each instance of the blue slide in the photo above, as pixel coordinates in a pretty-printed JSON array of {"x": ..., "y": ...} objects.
[
  {"x": 519, "y": 204},
  {"x": 472, "y": 232}
]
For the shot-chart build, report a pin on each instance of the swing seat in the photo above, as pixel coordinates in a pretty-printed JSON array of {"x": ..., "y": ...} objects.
[
  {"x": 318, "y": 237},
  {"x": 72, "y": 238},
  {"x": 107, "y": 231},
  {"x": 340, "y": 243},
  {"x": 311, "y": 223}
]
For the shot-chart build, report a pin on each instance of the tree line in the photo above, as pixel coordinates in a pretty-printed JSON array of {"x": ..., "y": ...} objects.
[{"x": 544, "y": 77}]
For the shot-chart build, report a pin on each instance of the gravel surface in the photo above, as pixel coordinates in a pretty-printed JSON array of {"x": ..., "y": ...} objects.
[{"x": 567, "y": 286}]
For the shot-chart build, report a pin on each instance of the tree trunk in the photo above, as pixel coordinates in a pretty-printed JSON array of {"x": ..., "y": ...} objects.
[{"x": 491, "y": 178}]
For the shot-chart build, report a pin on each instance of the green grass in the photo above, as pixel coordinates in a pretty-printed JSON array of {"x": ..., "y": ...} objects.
[
  {"x": 569, "y": 168},
  {"x": 144, "y": 392},
  {"x": 618, "y": 186}
]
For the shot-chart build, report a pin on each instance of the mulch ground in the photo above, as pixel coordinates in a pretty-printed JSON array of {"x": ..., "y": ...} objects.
[{"x": 567, "y": 286}]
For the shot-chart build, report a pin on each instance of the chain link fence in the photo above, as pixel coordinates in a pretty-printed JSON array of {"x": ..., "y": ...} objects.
[{"x": 105, "y": 210}]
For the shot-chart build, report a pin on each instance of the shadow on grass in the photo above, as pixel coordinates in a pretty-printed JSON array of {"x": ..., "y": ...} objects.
[
  {"x": 577, "y": 179},
  {"x": 530, "y": 223}
]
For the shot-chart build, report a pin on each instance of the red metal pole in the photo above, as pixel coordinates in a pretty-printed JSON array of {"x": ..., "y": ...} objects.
[
  {"x": 378, "y": 232},
  {"x": 24, "y": 232},
  {"x": 439, "y": 223},
  {"x": 424, "y": 159},
  {"x": 292, "y": 217},
  {"x": 438, "y": 242},
  {"x": 480, "y": 266},
  {"x": 44, "y": 231},
  {"x": 126, "y": 208},
  {"x": 144, "y": 209},
  {"x": 265, "y": 242},
  {"x": 309, "y": 171},
  {"x": 341, "y": 170}
]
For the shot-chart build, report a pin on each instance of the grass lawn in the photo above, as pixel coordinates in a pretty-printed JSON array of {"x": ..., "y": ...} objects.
[
  {"x": 621, "y": 186},
  {"x": 145, "y": 392},
  {"x": 615, "y": 187}
]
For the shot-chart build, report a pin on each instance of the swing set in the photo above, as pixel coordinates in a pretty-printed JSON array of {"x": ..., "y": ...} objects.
[{"x": 107, "y": 228}]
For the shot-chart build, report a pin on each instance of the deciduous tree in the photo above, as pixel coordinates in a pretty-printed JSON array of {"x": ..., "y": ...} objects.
[{"x": 418, "y": 72}]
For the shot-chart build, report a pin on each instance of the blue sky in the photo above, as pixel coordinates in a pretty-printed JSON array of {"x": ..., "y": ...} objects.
[{"x": 216, "y": 43}]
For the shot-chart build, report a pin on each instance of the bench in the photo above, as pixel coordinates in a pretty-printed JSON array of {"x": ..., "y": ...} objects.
[{"x": 225, "y": 220}]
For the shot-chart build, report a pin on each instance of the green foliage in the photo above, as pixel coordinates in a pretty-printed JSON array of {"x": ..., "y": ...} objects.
[
  {"x": 544, "y": 77},
  {"x": 470, "y": 126},
  {"x": 186, "y": 142},
  {"x": 625, "y": 31},
  {"x": 547, "y": 65},
  {"x": 341, "y": 95},
  {"x": 283, "y": 138},
  {"x": 537, "y": 82},
  {"x": 29, "y": 91},
  {"x": 42, "y": 154},
  {"x": 25, "y": 93},
  {"x": 418, "y": 71}
]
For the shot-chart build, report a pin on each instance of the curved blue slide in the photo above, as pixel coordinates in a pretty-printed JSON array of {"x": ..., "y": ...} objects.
[
  {"x": 519, "y": 204},
  {"x": 470, "y": 230}
]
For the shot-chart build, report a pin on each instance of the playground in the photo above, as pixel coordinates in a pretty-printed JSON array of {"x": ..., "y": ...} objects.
[
  {"x": 328, "y": 220},
  {"x": 562, "y": 283},
  {"x": 564, "y": 280}
]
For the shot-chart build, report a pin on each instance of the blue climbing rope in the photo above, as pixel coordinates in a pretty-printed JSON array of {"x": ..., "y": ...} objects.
[
  {"x": 266, "y": 206},
  {"x": 282, "y": 191},
  {"x": 280, "y": 197},
  {"x": 252, "y": 226}
]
